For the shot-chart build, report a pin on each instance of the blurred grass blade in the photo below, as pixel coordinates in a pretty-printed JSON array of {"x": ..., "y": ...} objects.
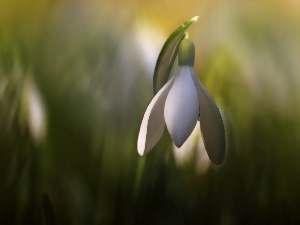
[
  {"x": 168, "y": 54},
  {"x": 48, "y": 210},
  {"x": 139, "y": 174}
]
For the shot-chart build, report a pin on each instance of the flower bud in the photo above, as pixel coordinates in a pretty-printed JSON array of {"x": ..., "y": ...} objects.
[{"x": 186, "y": 53}]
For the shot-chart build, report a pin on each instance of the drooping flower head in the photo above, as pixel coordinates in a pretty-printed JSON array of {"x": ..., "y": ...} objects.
[{"x": 178, "y": 104}]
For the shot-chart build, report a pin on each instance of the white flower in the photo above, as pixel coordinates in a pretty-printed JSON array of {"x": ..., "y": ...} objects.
[{"x": 178, "y": 105}]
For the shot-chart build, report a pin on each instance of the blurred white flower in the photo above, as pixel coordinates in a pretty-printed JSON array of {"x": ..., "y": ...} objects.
[
  {"x": 178, "y": 104},
  {"x": 32, "y": 111},
  {"x": 192, "y": 150},
  {"x": 37, "y": 114}
]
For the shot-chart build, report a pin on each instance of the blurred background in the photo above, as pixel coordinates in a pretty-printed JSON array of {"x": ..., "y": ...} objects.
[{"x": 75, "y": 81}]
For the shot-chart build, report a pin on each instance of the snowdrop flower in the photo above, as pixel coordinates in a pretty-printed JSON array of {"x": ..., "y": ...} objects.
[{"x": 178, "y": 104}]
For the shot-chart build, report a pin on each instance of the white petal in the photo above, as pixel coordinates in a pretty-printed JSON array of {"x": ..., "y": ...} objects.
[
  {"x": 211, "y": 123},
  {"x": 182, "y": 106},
  {"x": 153, "y": 123}
]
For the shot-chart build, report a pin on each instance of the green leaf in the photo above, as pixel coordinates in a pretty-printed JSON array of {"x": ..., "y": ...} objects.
[{"x": 168, "y": 54}]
